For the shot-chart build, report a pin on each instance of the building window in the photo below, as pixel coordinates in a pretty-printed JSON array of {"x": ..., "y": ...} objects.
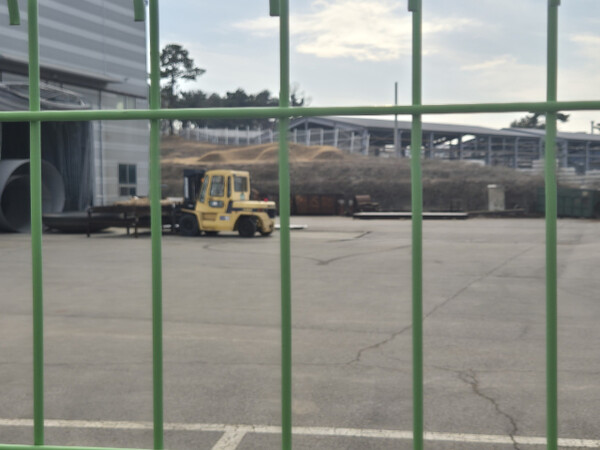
[{"x": 127, "y": 179}]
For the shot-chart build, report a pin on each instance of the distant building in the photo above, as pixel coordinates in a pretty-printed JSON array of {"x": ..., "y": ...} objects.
[
  {"x": 92, "y": 55},
  {"x": 520, "y": 148}
]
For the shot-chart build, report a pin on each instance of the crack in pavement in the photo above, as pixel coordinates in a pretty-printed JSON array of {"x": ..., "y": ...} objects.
[
  {"x": 213, "y": 246},
  {"x": 378, "y": 344},
  {"x": 320, "y": 262},
  {"x": 216, "y": 247},
  {"x": 438, "y": 306},
  {"x": 363, "y": 234},
  {"x": 325, "y": 262},
  {"x": 524, "y": 331},
  {"x": 471, "y": 283},
  {"x": 470, "y": 377}
]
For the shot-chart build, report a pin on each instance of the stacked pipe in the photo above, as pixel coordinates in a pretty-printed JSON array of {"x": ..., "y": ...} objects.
[{"x": 15, "y": 214}]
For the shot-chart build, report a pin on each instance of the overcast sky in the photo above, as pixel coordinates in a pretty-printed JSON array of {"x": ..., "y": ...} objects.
[{"x": 350, "y": 52}]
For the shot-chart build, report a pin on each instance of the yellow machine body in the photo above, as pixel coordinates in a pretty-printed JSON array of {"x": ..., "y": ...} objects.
[{"x": 223, "y": 204}]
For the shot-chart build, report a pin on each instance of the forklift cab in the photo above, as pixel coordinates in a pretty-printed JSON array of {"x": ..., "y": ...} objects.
[
  {"x": 220, "y": 189},
  {"x": 222, "y": 203}
]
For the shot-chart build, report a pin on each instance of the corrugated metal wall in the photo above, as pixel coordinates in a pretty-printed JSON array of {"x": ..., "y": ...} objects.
[{"x": 98, "y": 38}]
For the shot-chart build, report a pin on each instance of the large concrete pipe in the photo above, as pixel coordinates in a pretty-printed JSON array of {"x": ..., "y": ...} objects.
[{"x": 15, "y": 214}]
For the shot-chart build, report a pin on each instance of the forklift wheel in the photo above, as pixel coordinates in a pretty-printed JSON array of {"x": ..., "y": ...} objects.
[
  {"x": 247, "y": 227},
  {"x": 188, "y": 225}
]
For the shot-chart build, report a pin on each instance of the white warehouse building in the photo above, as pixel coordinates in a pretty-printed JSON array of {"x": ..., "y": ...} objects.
[{"x": 92, "y": 55}]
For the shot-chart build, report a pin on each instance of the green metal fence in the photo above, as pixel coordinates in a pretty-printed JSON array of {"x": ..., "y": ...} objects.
[{"x": 280, "y": 8}]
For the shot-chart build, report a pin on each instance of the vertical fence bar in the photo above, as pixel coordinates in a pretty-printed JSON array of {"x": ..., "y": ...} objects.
[
  {"x": 551, "y": 238},
  {"x": 417, "y": 229},
  {"x": 284, "y": 234},
  {"x": 396, "y": 120},
  {"x": 156, "y": 230},
  {"x": 139, "y": 10},
  {"x": 35, "y": 177},
  {"x": 13, "y": 12}
]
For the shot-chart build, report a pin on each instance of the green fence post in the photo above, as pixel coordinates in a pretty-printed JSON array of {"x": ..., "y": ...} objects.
[
  {"x": 551, "y": 234},
  {"x": 274, "y": 8},
  {"x": 156, "y": 229},
  {"x": 417, "y": 228},
  {"x": 35, "y": 177},
  {"x": 13, "y": 12},
  {"x": 139, "y": 10},
  {"x": 284, "y": 231}
]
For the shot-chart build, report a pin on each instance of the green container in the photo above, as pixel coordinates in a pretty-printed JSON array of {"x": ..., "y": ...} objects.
[{"x": 573, "y": 202}]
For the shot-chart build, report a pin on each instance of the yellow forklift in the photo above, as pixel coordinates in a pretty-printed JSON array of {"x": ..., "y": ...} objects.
[{"x": 219, "y": 200}]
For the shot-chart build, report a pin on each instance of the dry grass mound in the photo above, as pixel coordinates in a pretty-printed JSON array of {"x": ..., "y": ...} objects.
[
  {"x": 268, "y": 154},
  {"x": 328, "y": 154},
  {"x": 176, "y": 150},
  {"x": 447, "y": 185},
  {"x": 173, "y": 147}
]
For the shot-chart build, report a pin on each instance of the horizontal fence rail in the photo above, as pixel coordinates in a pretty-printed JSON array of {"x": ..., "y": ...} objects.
[
  {"x": 284, "y": 112},
  {"x": 288, "y": 112}
]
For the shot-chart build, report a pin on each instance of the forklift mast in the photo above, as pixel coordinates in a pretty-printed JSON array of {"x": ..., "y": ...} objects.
[{"x": 192, "y": 182}]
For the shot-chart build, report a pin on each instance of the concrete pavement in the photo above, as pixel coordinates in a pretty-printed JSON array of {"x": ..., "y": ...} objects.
[{"x": 484, "y": 331}]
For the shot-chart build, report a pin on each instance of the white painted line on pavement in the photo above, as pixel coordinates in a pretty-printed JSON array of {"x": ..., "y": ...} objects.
[
  {"x": 232, "y": 438},
  {"x": 233, "y": 434}
]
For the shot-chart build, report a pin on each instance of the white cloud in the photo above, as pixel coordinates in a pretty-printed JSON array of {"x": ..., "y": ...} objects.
[
  {"x": 505, "y": 78},
  {"x": 358, "y": 29},
  {"x": 586, "y": 39},
  {"x": 262, "y": 26},
  {"x": 577, "y": 84},
  {"x": 588, "y": 46},
  {"x": 489, "y": 64}
]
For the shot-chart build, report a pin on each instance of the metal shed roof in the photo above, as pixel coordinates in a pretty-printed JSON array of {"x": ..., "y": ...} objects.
[
  {"x": 382, "y": 124},
  {"x": 561, "y": 135}
]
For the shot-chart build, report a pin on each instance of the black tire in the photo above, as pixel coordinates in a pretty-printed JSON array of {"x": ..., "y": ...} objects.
[
  {"x": 265, "y": 233},
  {"x": 188, "y": 225},
  {"x": 247, "y": 226}
]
